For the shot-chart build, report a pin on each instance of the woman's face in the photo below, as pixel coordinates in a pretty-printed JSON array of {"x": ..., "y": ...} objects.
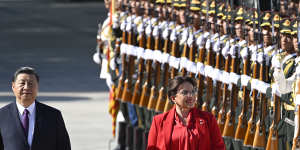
[{"x": 186, "y": 96}]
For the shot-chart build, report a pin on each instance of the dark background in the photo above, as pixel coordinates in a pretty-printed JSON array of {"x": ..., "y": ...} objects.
[{"x": 57, "y": 38}]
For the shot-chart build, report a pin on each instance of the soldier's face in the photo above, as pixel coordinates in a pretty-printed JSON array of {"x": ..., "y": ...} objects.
[
  {"x": 181, "y": 14},
  {"x": 107, "y": 3},
  {"x": 251, "y": 34},
  {"x": 159, "y": 10},
  {"x": 295, "y": 43},
  {"x": 133, "y": 7},
  {"x": 196, "y": 18},
  {"x": 286, "y": 42},
  {"x": 225, "y": 25},
  {"x": 211, "y": 22},
  {"x": 266, "y": 31},
  {"x": 219, "y": 26},
  {"x": 146, "y": 6},
  {"x": 239, "y": 30}
]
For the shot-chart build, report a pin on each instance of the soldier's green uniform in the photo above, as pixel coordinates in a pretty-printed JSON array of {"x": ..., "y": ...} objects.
[{"x": 287, "y": 64}]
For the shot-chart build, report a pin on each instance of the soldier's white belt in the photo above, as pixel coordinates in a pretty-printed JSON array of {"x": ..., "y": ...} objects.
[{"x": 195, "y": 67}]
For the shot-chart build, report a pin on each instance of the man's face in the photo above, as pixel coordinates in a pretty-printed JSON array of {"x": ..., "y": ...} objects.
[
  {"x": 181, "y": 14},
  {"x": 219, "y": 26},
  {"x": 225, "y": 24},
  {"x": 286, "y": 42},
  {"x": 25, "y": 88},
  {"x": 251, "y": 33},
  {"x": 239, "y": 29},
  {"x": 295, "y": 43},
  {"x": 211, "y": 22},
  {"x": 196, "y": 18},
  {"x": 266, "y": 31},
  {"x": 107, "y": 3}
]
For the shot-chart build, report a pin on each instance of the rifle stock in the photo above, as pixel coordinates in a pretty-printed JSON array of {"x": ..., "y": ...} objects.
[
  {"x": 146, "y": 87},
  {"x": 230, "y": 116},
  {"x": 124, "y": 64},
  {"x": 272, "y": 143},
  {"x": 184, "y": 54},
  {"x": 174, "y": 52},
  {"x": 200, "y": 81},
  {"x": 215, "y": 108},
  {"x": 138, "y": 84},
  {"x": 192, "y": 57},
  {"x": 162, "y": 97},
  {"x": 251, "y": 123},
  {"x": 260, "y": 132},
  {"x": 222, "y": 113},
  {"x": 154, "y": 89},
  {"x": 242, "y": 124},
  {"x": 127, "y": 93},
  {"x": 209, "y": 82},
  {"x": 296, "y": 142}
]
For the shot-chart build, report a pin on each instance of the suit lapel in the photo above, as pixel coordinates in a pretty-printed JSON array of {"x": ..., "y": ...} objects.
[
  {"x": 38, "y": 125},
  {"x": 17, "y": 120},
  {"x": 168, "y": 127}
]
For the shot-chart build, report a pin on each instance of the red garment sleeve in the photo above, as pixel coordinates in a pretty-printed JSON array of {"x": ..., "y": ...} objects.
[
  {"x": 216, "y": 138},
  {"x": 152, "y": 137}
]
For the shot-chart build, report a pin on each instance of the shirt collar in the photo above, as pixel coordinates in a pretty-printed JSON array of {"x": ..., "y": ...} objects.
[{"x": 30, "y": 108}]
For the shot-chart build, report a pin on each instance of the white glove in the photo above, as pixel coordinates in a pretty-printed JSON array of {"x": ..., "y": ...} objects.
[{"x": 284, "y": 85}]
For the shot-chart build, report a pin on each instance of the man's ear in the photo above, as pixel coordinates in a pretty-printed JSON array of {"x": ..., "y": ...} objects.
[{"x": 12, "y": 85}]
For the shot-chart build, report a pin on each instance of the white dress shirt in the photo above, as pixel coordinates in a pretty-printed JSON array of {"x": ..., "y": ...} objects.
[{"x": 31, "y": 116}]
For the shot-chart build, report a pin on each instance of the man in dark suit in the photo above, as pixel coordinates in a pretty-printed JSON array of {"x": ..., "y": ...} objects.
[{"x": 27, "y": 124}]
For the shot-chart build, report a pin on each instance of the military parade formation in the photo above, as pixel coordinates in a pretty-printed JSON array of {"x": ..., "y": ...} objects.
[{"x": 243, "y": 54}]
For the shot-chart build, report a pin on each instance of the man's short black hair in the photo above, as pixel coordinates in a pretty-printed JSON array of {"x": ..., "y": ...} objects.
[{"x": 26, "y": 70}]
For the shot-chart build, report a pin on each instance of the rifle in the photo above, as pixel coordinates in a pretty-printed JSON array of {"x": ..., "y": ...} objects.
[
  {"x": 173, "y": 45},
  {"x": 219, "y": 65},
  {"x": 186, "y": 27},
  {"x": 260, "y": 132},
  {"x": 127, "y": 93},
  {"x": 272, "y": 143},
  {"x": 157, "y": 72},
  {"x": 230, "y": 117},
  {"x": 225, "y": 95},
  {"x": 209, "y": 81},
  {"x": 147, "y": 85},
  {"x": 124, "y": 64},
  {"x": 138, "y": 84},
  {"x": 242, "y": 119},
  {"x": 251, "y": 123},
  {"x": 296, "y": 142},
  {"x": 162, "y": 97}
]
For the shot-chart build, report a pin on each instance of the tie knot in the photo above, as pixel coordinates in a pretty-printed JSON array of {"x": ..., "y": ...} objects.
[{"x": 26, "y": 112}]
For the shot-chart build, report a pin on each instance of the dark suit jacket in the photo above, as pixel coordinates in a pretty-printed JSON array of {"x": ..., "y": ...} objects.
[{"x": 49, "y": 132}]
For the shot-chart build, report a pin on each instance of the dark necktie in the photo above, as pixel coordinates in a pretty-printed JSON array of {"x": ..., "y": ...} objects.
[{"x": 25, "y": 121}]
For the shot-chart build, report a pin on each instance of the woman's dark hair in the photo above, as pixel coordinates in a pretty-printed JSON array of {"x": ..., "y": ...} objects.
[
  {"x": 26, "y": 70},
  {"x": 176, "y": 82}
]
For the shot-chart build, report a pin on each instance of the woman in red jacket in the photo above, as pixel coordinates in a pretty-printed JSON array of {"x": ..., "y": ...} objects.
[{"x": 184, "y": 127}]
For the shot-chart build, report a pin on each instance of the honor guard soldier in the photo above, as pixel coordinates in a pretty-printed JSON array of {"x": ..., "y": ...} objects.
[
  {"x": 296, "y": 86},
  {"x": 284, "y": 71}
]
